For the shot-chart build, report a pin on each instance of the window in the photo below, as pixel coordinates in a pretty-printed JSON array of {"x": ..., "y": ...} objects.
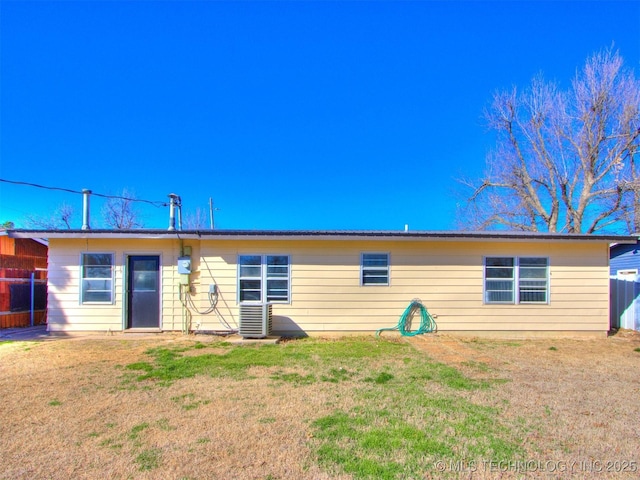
[
  {"x": 532, "y": 280},
  {"x": 499, "y": 280},
  {"x": 529, "y": 274},
  {"x": 374, "y": 269},
  {"x": 97, "y": 278},
  {"x": 263, "y": 278},
  {"x": 629, "y": 274}
]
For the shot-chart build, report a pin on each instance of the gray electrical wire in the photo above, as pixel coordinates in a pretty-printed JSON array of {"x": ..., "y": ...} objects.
[{"x": 213, "y": 301}]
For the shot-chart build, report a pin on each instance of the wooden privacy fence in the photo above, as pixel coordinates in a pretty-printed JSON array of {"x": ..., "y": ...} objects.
[
  {"x": 625, "y": 302},
  {"x": 23, "y": 282},
  {"x": 23, "y": 301}
]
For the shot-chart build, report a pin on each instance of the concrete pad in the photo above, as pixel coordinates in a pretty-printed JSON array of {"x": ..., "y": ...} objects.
[
  {"x": 25, "y": 334},
  {"x": 238, "y": 340}
]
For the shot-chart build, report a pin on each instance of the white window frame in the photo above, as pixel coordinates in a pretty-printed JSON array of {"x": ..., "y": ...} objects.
[
  {"x": 265, "y": 277},
  {"x": 629, "y": 273},
  {"x": 510, "y": 280},
  {"x": 110, "y": 280},
  {"x": 383, "y": 271},
  {"x": 517, "y": 280}
]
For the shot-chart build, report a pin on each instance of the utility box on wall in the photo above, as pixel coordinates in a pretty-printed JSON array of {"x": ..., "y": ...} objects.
[{"x": 184, "y": 265}]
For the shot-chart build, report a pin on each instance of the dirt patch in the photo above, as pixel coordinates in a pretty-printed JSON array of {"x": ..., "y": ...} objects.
[
  {"x": 583, "y": 393},
  {"x": 453, "y": 351},
  {"x": 71, "y": 409}
]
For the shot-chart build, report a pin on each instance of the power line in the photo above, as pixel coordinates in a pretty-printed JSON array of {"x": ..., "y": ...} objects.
[{"x": 155, "y": 204}]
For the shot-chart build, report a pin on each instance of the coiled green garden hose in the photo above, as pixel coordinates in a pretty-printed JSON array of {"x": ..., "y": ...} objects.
[{"x": 427, "y": 323}]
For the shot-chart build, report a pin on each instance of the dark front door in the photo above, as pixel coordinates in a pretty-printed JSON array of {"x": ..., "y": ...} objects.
[{"x": 143, "y": 292}]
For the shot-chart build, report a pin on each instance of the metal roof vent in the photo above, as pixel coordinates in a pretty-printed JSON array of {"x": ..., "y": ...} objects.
[
  {"x": 85, "y": 209},
  {"x": 174, "y": 201}
]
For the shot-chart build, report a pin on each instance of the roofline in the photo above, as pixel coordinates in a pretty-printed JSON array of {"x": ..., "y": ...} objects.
[
  {"x": 40, "y": 240},
  {"x": 320, "y": 235}
]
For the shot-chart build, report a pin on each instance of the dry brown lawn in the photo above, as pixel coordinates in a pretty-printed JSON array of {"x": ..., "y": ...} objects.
[{"x": 67, "y": 410}]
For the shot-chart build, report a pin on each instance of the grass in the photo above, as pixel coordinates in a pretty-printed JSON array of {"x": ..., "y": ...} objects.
[
  {"x": 148, "y": 459},
  {"x": 169, "y": 364},
  {"x": 382, "y": 377},
  {"x": 135, "y": 431},
  {"x": 294, "y": 378},
  {"x": 306, "y": 409},
  {"x": 416, "y": 429},
  {"x": 407, "y": 414},
  {"x": 188, "y": 401}
]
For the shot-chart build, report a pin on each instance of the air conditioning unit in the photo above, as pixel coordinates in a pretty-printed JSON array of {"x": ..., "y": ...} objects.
[{"x": 255, "y": 321}]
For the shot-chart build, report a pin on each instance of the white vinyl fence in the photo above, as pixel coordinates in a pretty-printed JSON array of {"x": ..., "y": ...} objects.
[{"x": 625, "y": 302}]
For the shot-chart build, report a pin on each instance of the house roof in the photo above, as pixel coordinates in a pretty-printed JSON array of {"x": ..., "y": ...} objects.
[
  {"x": 379, "y": 235},
  {"x": 40, "y": 240}
]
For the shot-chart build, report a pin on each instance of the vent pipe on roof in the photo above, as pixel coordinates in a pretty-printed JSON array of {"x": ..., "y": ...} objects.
[
  {"x": 85, "y": 209},
  {"x": 174, "y": 200}
]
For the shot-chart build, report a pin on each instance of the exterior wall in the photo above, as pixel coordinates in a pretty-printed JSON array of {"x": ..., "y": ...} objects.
[
  {"x": 66, "y": 313},
  {"x": 326, "y": 295},
  {"x": 624, "y": 257}
]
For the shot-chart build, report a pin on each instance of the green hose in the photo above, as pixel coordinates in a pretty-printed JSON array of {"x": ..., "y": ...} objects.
[{"x": 427, "y": 323}]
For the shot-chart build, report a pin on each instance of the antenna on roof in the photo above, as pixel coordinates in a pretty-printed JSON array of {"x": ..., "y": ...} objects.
[{"x": 211, "y": 210}]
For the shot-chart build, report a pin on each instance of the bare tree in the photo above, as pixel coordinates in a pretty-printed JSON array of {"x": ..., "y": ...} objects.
[
  {"x": 119, "y": 212},
  {"x": 60, "y": 219},
  {"x": 564, "y": 161},
  {"x": 197, "y": 220}
]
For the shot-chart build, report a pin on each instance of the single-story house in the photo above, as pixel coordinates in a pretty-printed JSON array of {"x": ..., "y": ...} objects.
[
  {"x": 625, "y": 285},
  {"x": 512, "y": 283}
]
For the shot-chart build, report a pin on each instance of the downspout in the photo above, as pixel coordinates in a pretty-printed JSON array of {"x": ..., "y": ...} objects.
[{"x": 181, "y": 291}]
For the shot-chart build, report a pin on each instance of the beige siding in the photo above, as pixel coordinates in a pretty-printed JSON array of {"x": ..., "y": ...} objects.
[
  {"x": 66, "y": 313},
  {"x": 326, "y": 295}
]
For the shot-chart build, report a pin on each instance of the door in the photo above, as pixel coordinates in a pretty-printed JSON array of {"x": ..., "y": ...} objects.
[{"x": 143, "y": 291}]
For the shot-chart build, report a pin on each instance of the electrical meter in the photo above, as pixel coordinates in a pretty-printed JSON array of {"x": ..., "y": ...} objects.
[{"x": 184, "y": 265}]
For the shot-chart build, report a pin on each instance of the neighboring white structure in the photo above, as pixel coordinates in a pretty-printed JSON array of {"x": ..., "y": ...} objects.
[{"x": 625, "y": 286}]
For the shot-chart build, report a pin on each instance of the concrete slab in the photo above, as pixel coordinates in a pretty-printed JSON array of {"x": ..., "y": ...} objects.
[
  {"x": 26, "y": 334},
  {"x": 238, "y": 340},
  {"x": 39, "y": 333}
]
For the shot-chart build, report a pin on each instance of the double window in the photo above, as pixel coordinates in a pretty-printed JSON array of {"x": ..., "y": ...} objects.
[
  {"x": 374, "y": 269},
  {"x": 516, "y": 280},
  {"x": 97, "y": 278},
  {"x": 263, "y": 278}
]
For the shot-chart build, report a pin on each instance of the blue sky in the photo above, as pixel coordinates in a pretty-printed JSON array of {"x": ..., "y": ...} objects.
[{"x": 289, "y": 114}]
